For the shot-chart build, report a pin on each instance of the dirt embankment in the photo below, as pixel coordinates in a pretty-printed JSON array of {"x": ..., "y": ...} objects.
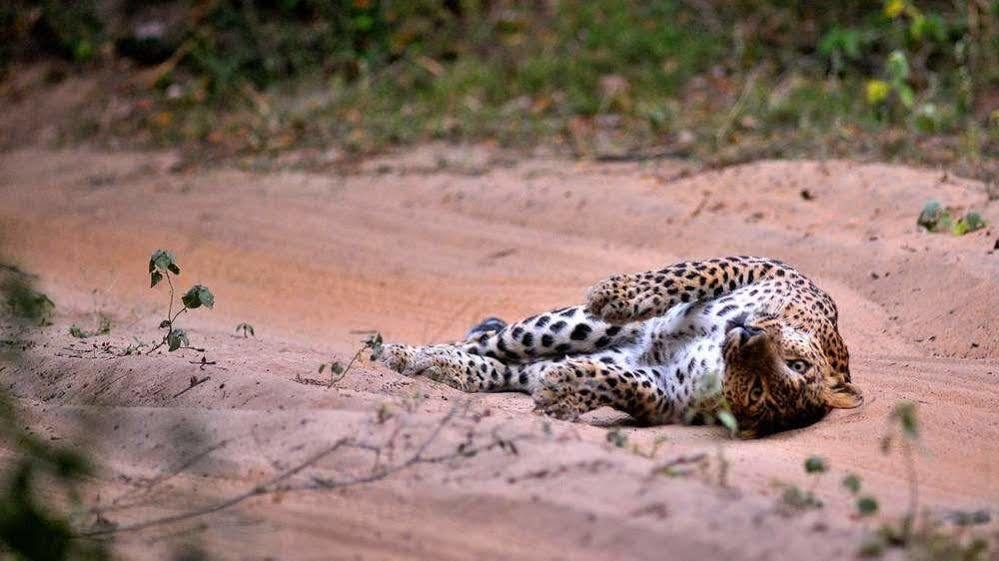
[{"x": 419, "y": 251}]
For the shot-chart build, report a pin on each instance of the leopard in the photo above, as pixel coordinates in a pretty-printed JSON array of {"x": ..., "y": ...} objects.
[{"x": 748, "y": 335}]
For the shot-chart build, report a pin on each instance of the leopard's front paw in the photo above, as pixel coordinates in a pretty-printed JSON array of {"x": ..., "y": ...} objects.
[
  {"x": 616, "y": 301},
  {"x": 559, "y": 397}
]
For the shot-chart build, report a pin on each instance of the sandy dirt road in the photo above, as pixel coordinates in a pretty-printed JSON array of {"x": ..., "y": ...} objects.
[{"x": 420, "y": 246}]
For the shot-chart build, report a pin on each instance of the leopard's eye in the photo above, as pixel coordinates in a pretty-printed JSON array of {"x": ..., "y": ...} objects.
[
  {"x": 799, "y": 366},
  {"x": 756, "y": 393}
]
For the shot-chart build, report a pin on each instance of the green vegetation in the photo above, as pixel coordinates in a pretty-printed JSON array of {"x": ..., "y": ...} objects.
[
  {"x": 796, "y": 498},
  {"x": 718, "y": 81},
  {"x": 161, "y": 266},
  {"x": 40, "y": 481},
  {"x": 919, "y": 536},
  {"x": 936, "y": 218},
  {"x": 246, "y": 329},
  {"x": 338, "y": 371},
  {"x": 23, "y": 302},
  {"x": 103, "y": 328}
]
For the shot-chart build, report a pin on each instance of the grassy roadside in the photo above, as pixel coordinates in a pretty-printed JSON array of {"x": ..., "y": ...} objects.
[{"x": 720, "y": 82}]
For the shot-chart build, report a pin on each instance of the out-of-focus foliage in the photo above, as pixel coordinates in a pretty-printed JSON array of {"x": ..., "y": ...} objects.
[
  {"x": 39, "y": 480},
  {"x": 693, "y": 75}
]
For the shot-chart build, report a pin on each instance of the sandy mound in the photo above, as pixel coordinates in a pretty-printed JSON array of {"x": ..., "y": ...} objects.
[{"x": 419, "y": 251}]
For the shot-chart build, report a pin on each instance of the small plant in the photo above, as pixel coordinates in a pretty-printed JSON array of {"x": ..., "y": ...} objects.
[
  {"x": 161, "y": 266},
  {"x": 617, "y": 438},
  {"x": 936, "y": 218},
  {"x": 866, "y": 505},
  {"x": 103, "y": 328},
  {"x": 338, "y": 371},
  {"x": 800, "y": 499},
  {"x": 903, "y": 431},
  {"x": 710, "y": 405},
  {"x": 246, "y": 329}
]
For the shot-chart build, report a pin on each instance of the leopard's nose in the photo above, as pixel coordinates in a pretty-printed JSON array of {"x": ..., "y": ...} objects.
[
  {"x": 737, "y": 321},
  {"x": 747, "y": 332}
]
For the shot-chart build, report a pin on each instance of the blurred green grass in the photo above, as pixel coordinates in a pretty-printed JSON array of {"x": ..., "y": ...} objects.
[{"x": 719, "y": 81}]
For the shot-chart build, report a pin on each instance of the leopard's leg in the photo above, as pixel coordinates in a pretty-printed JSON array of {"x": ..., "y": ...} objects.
[
  {"x": 455, "y": 367},
  {"x": 567, "y": 331},
  {"x": 634, "y": 297},
  {"x": 576, "y": 385}
]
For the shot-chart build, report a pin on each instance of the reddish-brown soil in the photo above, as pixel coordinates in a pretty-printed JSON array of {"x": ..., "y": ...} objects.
[{"x": 420, "y": 246}]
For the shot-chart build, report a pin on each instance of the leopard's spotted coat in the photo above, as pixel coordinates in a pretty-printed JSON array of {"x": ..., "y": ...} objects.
[{"x": 646, "y": 343}]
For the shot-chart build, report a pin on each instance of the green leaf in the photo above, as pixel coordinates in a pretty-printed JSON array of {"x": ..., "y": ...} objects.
[
  {"x": 198, "y": 296},
  {"x": 930, "y": 216},
  {"x": 164, "y": 324},
  {"x": 337, "y": 368},
  {"x": 815, "y": 464},
  {"x": 374, "y": 342},
  {"x": 163, "y": 261},
  {"x": 968, "y": 223},
  {"x": 176, "y": 338},
  {"x": 852, "y": 482},
  {"x": 905, "y": 413},
  {"x": 898, "y": 67},
  {"x": 906, "y": 96},
  {"x": 867, "y": 506},
  {"x": 727, "y": 419}
]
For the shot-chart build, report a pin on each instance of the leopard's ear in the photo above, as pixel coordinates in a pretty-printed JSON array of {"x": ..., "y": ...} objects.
[{"x": 843, "y": 396}]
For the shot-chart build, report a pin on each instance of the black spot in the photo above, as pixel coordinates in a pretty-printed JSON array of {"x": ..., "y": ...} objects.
[
  {"x": 607, "y": 360},
  {"x": 557, "y": 326},
  {"x": 602, "y": 342},
  {"x": 542, "y": 321},
  {"x": 483, "y": 367},
  {"x": 727, "y": 309},
  {"x": 568, "y": 312},
  {"x": 523, "y": 379},
  {"x": 547, "y": 340},
  {"x": 527, "y": 340},
  {"x": 563, "y": 348},
  {"x": 517, "y": 331},
  {"x": 580, "y": 332}
]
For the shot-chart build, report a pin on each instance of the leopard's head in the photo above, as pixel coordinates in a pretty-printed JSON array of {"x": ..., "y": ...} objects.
[{"x": 782, "y": 374}]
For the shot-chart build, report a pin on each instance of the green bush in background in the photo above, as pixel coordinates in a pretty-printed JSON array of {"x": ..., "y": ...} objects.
[{"x": 791, "y": 74}]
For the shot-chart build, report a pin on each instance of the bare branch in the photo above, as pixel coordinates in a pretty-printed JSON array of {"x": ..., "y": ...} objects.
[{"x": 377, "y": 472}]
